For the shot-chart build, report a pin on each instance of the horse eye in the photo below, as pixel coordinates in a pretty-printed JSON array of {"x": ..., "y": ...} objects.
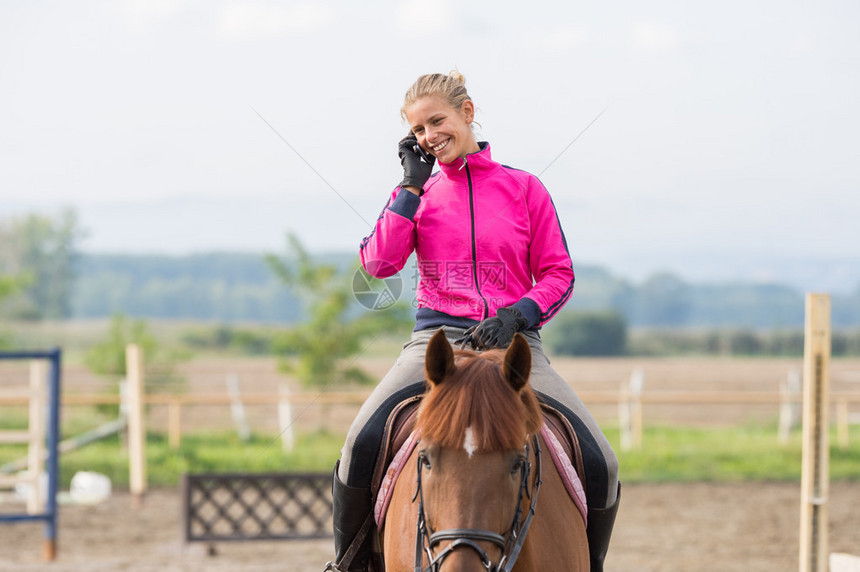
[
  {"x": 518, "y": 465},
  {"x": 425, "y": 462}
]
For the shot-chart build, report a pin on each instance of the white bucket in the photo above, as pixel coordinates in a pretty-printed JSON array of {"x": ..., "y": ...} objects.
[
  {"x": 89, "y": 488},
  {"x": 840, "y": 562}
]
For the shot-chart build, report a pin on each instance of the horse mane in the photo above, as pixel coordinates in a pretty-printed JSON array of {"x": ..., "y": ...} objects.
[{"x": 477, "y": 396}]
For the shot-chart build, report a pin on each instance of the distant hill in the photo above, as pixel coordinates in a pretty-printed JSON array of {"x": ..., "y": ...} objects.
[
  {"x": 229, "y": 287},
  {"x": 219, "y": 287}
]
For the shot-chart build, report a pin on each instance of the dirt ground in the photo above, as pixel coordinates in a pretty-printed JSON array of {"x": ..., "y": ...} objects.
[{"x": 747, "y": 527}]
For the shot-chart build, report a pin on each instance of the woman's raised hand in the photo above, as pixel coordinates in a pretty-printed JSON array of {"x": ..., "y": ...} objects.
[{"x": 417, "y": 165}]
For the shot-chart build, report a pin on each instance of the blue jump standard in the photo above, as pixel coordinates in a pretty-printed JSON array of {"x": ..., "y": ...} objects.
[{"x": 52, "y": 464}]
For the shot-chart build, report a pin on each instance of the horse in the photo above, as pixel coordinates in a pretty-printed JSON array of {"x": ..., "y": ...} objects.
[{"x": 481, "y": 499}]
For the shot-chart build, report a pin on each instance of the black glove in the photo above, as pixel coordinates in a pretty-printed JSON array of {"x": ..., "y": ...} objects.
[
  {"x": 496, "y": 332},
  {"x": 417, "y": 164}
]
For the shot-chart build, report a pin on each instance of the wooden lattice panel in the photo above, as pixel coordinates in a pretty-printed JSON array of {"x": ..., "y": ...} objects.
[{"x": 274, "y": 506}]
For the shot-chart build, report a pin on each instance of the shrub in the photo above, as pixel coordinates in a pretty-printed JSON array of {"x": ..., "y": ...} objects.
[{"x": 589, "y": 334}]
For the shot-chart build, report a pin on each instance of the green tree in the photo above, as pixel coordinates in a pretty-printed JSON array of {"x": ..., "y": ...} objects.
[
  {"x": 9, "y": 286},
  {"x": 334, "y": 329},
  {"x": 44, "y": 250},
  {"x": 744, "y": 342},
  {"x": 588, "y": 334}
]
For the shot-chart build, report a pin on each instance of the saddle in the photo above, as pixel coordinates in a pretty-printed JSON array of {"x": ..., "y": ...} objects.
[
  {"x": 398, "y": 441},
  {"x": 398, "y": 428}
]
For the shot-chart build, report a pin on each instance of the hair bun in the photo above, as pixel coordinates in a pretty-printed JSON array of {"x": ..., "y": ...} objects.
[{"x": 457, "y": 76}]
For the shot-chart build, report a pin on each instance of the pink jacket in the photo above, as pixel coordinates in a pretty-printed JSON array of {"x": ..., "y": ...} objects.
[{"x": 486, "y": 236}]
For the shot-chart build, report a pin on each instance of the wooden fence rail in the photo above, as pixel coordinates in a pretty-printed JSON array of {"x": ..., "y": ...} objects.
[
  {"x": 357, "y": 398},
  {"x": 175, "y": 402}
]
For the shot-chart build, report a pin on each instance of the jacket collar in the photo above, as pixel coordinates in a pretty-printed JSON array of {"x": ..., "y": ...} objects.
[{"x": 480, "y": 162}]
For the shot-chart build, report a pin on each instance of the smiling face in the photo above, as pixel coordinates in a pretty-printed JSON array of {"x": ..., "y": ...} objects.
[{"x": 442, "y": 130}]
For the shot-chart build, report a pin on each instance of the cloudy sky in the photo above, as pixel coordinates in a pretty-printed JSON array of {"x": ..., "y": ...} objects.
[{"x": 727, "y": 147}]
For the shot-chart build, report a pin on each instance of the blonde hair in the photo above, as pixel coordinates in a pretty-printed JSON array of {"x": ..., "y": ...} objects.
[{"x": 451, "y": 88}]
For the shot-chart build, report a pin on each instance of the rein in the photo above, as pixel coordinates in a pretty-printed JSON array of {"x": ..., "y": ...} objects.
[{"x": 511, "y": 544}]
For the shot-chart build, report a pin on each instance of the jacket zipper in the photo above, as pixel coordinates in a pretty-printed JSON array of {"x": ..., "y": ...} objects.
[{"x": 474, "y": 242}]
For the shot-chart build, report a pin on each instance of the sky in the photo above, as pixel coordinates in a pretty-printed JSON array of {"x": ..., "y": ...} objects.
[{"x": 718, "y": 141}]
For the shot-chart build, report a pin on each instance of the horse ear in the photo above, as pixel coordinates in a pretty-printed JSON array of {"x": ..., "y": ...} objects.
[
  {"x": 518, "y": 362},
  {"x": 439, "y": 360}
]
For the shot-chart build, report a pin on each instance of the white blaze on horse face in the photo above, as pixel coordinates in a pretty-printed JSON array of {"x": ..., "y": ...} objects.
[{"x": 469, "y": 442}]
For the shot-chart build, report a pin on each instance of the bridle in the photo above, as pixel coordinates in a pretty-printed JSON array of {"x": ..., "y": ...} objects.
[{"x": 511, "y": 543}]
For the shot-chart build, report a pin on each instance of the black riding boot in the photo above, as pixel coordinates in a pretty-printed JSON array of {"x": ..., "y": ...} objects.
[
  {"x": 350, "y": 508},
  {"x": 598, "y": 531}
]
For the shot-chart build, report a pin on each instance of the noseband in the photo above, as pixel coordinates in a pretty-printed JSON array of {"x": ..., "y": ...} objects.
[{"x": 511, "y": 543}]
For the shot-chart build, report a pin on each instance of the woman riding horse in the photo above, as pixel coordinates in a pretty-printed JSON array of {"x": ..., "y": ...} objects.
[{"x": 493, "y": 261}]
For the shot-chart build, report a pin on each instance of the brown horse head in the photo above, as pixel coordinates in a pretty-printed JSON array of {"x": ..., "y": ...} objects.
[
  {"x": 486, "y": 393},
  {"x": 474, "y": 424}
]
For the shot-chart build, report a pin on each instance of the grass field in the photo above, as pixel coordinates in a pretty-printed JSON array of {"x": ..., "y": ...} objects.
[{"x": 669, "y": 454}]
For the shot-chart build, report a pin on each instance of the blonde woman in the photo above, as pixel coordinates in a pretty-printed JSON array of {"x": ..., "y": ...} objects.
[{"x": 493, "y": 261}]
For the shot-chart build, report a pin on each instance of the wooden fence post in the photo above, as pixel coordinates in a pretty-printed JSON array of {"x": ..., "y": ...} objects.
[
  {"x": 36, "y": 448},
  {"x": 815, "y": 475},
  {"x": 630, "y": 411},
  {"x": 788, "y": 408},
  {"x": 285, "y": 418},
  {"x": 842, "y": 423},
  {"x": 174, "y": 423},
  {"x": 237, "y": 408},
  {"x": 136, "y": 428}
]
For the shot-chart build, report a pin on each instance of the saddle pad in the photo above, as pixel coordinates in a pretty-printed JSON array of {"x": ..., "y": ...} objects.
[
  {"x": 383, "y": 498},
  {"x": 565, "y": 469},
  {"x": 563, "y": 465}
]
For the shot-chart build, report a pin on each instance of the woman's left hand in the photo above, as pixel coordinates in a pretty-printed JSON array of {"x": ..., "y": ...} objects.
[{"x": 495, "y": 332}]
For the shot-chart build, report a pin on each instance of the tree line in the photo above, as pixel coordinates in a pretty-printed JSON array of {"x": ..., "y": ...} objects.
[
  {"x": 44, "y": 275},
  {"x": 242, "y": 287}
]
